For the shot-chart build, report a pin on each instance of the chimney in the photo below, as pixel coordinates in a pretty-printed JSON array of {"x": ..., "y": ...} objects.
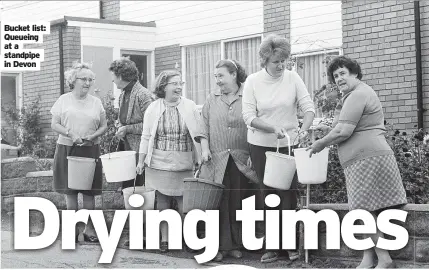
[{"x": 110, "y": 10}]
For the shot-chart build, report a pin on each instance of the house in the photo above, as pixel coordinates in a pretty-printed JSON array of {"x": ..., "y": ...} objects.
[{"x": 193, "y": 35}]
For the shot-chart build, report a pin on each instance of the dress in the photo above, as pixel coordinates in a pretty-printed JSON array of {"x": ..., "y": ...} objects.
[
  {"x": 227, "y": 134},
  {"x": 83, "y": 118},
  {"x": 372, "y": 174}
]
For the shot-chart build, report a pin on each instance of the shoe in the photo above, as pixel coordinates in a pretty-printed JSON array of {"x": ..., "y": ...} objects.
[
  {"x": 388, "y": 266},
  {"x": 90, "y": 238},
  {"x": 270, "y": 256},
  {"x": 164, "y": 246},
  {"x": 237, "y": 254},
  {"x": 218, "y": 257},
  {"x": 293, "y": 256}
]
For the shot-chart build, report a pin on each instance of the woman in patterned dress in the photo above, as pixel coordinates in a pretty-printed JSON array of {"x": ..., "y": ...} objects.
[
  {"x": 372, "y": 175},
  {"x": 226, "y": 152},
  {"x": 168, "y": 149}
]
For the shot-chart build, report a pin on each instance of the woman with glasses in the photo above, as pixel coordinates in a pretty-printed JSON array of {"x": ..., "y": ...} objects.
[
  {"x": 167, "y": 148},
  {"x": 226, "y": 152},
  {"x": 80, "y": 119},
  {"x": 270, "y": 101}
]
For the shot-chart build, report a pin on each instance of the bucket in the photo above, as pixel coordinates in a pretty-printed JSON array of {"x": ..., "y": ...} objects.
[
  {"x": 311, "y": 170},
  {"x": 201, "y": 194},
  {"x": 80, "y": 172},
  {"x": 119, "y": 166},
  {"x": 279, "y": 168},
  {"x": 147, "y": 193}
]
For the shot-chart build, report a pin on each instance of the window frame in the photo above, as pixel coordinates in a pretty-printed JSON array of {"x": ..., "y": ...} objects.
[
  {"x": 18, "y": 86},
  {"x": 222, "y": 53}
]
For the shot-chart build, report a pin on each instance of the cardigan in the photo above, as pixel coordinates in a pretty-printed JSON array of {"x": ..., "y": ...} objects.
[
  {"x": 187, "y": 109},
  {"x": 140, "y": 98},
  {"x": 362, "y": 108}
]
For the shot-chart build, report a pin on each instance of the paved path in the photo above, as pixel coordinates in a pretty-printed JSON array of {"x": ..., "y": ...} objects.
[{"x": 85, "y": 256}]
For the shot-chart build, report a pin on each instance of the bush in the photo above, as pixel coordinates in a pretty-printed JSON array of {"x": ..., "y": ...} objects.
[
  {"x": 412, "y": 155},
  {"x": 108, "y": 137},
  {"x": 27, "y": 126}
]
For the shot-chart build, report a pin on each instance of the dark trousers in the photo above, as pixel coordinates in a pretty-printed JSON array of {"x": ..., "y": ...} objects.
[
  {"x": 289, "y": 198},
  {"x": 140, "y": 179},
  {"x": 235, "y": 190}
]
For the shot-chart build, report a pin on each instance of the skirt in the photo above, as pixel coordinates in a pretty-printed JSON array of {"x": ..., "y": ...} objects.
[
  {"x": 60, "y": 168},
  {"x": 169, "y": 183},
  {"x": 374, "y": 183}
]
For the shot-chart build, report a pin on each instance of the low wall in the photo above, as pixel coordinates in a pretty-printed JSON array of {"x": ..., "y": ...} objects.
[{"x": 417, "y": 225}]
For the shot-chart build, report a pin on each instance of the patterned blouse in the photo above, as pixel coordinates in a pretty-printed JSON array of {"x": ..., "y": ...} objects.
[{"x": 172, "y": 133}]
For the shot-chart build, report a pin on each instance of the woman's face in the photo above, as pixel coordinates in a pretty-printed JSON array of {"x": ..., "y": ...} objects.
[
  {"x": 120, "y": 84},
  {"x": 344, "y": 79},
  {"x": 173, "y": 89},
  {"x": 276, "y": 65},
  {"x": 225, "y": 80},
  {"x": 84, "y": 82}
]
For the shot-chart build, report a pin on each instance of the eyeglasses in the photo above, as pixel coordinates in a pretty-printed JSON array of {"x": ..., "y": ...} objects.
[
  {"x": 177, "y": 83},
  {"x": 89, "y": 80}
]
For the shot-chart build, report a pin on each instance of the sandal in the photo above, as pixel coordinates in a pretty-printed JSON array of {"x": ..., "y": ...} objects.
[{"x": 90, "y": 238}]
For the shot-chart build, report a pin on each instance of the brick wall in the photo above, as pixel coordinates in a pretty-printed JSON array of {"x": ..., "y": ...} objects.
[
  {"x": 111, "y": 10},
  {"x": 45, "y": 84},
  {"x": 424, "y": 33},
  {"x": 380, "y": 35},
  {"x": 277, "y": 18},
  {"x": 166, "y": 58}
]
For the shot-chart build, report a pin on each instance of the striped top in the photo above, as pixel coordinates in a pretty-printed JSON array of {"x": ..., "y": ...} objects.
[
  {"x": 226, "y": 131},
  {"x": 172, "y": 133}
]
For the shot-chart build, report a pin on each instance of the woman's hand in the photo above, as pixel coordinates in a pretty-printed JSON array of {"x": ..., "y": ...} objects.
[
  {"x": 122, "y": 131},
  {"x": 280, "y": 132},
  {"x": 75, "y": 138},
  {"x": 315, "y": 148},
  {"x": 303, "y": 136},
  {"x": 140, "y": 167},
  {"x": 206, "y": 155}
]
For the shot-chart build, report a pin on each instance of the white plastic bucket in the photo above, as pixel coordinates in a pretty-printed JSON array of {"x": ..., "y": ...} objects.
[
  {"x": 279, "y": 169},
  {"x": 119, "y": 166},
  {"x": 147, "y": 193},
  {"x": 311, "y": 170},
  {"x": 80, "y": 172}
]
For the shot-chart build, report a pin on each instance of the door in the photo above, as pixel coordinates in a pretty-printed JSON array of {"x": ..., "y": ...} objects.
[{"x": 143, "y": 63}]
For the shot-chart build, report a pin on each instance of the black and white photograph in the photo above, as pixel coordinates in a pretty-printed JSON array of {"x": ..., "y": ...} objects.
[{"x": 214, "y": 134}]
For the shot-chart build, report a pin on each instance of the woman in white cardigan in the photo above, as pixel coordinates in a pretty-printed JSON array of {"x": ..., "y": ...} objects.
[{"x": 168, "y": 149}]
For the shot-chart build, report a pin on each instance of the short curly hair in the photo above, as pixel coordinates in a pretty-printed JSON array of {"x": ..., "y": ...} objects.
[
  {"x": 162, "y": 80},
  {"x": 233, "y": 66},
  {"x": 70, "y": 74},
  {"x": 343, "y": 61},
  {"x": 125, "y": 68},
  {"x": 271, "y": 45}
]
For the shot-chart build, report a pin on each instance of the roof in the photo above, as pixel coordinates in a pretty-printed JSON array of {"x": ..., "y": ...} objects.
[{"x": 104, "y": 21}]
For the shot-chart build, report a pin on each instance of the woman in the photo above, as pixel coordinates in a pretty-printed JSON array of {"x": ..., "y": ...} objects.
[
  {"x": 80, "y": 120},
  {"x": 167, "y": 146},
  {"x": 226, "y": 152},
  {"x": 270, "y": 100},
  {"x": 133, "y": 102},
  {"x": 372, "y": 175}
]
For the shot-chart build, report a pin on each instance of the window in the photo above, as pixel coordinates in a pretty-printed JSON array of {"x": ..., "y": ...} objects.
[
  {"x": 200, "y": 66},
  {"x": 11, "y": 98},
  {"x": 200, "y": 63},
  {"x": 246, "y": 52},
  {"x": 312, "y": 69}
]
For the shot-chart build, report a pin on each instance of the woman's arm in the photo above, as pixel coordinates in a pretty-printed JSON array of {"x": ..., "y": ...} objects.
[
  {"x": 101, "y": 129},
  {"x": 57, "y": 127}
]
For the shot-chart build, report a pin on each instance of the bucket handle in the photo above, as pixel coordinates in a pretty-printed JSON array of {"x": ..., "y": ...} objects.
[{"x": 288, "y": 142}]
